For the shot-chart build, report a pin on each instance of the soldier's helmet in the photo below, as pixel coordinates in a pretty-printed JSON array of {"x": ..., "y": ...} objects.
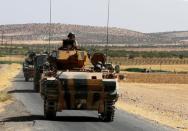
[{"x": 71, "y": 35}]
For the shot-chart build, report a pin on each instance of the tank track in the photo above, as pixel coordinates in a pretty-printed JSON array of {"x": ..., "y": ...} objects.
[
  {"x": 50, "y": 102},
  {"x": 50, "y": 109},
  {"x": 108, "y": 115}
]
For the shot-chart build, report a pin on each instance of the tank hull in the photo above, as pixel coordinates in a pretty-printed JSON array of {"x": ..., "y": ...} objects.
[{"x": 77, "y": 93}]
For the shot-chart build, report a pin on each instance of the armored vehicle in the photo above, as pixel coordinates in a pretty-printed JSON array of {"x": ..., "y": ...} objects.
[
  {"x": 39, "y": 61},
  {"x": 73, "y": 81},
  {"x": 28, "y": 67}
]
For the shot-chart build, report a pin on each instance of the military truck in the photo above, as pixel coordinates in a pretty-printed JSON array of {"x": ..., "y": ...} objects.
[
  {"x": 28, "y": 66},
  {"x": 73, "y": 81},
  {"x": 39, "y": 61}
]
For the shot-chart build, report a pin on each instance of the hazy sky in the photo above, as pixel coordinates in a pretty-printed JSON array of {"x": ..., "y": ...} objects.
[{"x": 139, "y": 15}]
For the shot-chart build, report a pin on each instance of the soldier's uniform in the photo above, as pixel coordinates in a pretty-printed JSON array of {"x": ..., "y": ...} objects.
[{"x": 69, "y": 43}]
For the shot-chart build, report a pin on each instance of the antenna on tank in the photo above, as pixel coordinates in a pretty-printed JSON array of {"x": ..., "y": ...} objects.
[
  {"x": 107, "y": 30},
  {"x": 50, "y": 26}
]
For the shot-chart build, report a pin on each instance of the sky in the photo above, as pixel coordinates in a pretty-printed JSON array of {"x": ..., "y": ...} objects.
[{"x": 139, "y": 15}]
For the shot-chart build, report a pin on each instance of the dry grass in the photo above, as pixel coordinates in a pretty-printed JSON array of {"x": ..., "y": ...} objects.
[
  {"x": 4, "y": 96},
  {"x": 164, "y": 103},
  {"x": 8, "y": 72},
  {"x": 17, "y": 58},
  {"x": 156, "y": 96},
  {"x": 157, "y": 78}
]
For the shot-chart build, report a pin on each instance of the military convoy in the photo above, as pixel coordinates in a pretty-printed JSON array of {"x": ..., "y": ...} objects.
[{"x": 69, "y": 79}]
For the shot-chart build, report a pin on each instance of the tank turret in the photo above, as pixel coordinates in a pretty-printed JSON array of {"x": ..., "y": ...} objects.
[{"x": 69, "y": 57}]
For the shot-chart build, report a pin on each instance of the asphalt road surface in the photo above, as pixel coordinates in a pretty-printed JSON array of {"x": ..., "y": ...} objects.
[{"x": 76, "y": 120}]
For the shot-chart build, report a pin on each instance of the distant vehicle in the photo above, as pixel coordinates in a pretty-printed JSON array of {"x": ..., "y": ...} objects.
[
  {"x": 72, "y": 81},
  {"x": 39, "y": 61},
  {"x": 28, "y": 66}
]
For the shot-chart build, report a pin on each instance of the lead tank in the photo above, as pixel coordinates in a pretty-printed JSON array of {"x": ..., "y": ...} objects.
[{"x": 71, "y": 82}]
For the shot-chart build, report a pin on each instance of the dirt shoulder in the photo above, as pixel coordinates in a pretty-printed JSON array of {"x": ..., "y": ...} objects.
[
  {"x": 8, "y": 72},
  {"x": 164, "y": 103},
  {"x": 13, "y": 115}
]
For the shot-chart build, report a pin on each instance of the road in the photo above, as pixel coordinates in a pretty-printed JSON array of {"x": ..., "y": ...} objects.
[{"x": 75, "y": 120}]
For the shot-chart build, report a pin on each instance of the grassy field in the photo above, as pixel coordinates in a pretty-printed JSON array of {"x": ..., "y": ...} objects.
[
  {"x": 12, "y": 58},
  {"x": 157, "y": 78},
  {"x": 148, "y": 61},
  {"x": 149, "y": 49}
]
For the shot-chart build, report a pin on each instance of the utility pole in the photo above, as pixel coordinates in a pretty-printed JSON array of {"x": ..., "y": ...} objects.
[
  {"x": 2, "y": 42},
  {"x": 10, "y": 50},
  {"x": 50, "y": 25},
  {"x": 107, "y": 30},
  {"x": 11, "y": 45},
  {"x": 2, "y": 37}
]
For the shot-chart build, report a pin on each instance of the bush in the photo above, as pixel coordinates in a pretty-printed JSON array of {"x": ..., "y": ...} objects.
[
  {"x": 181, "y": 56},
  {"x": 135, "y": 70},
  {"x": 143, "y": 70}
]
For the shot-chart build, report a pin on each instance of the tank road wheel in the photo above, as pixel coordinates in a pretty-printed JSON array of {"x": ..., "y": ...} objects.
[
  {"x": 108, "y": 115},
  {"x": 49, "y": 110}
]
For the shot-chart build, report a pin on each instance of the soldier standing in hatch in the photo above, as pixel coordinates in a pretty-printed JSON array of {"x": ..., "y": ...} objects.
[{"x": 70, "y": 42}]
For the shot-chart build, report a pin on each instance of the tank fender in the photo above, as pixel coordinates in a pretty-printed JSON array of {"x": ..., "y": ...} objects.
[
  {"x": 109, "y": 85},
  {"x": 110, "y": 88}
]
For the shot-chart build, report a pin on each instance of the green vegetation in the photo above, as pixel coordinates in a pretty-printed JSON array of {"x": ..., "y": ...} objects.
[
  {"x": 143, "y": 54},
  {"x": 142, "y": 70},
  {"x": 14, "y": 50},
  {"x": 10, "y": 62},
  {"x": 152, "y": 54},
  {"x": 135, "y": 70},
  {"x": 23, "y": 49}
]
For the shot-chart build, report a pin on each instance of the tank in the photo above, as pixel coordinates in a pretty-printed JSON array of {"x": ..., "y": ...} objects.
[
  {"x": 71, "y": 80},
  {"x": 39, "y": 62},
  {"x": 28, "y": 66}
]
